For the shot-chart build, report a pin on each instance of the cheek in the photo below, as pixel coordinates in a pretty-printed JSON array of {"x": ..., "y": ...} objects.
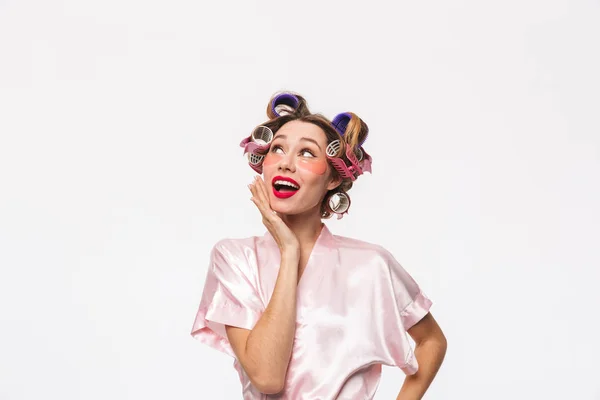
[
  {"x": 316, "y": 167},
  {"x": 270, "y": 159}
]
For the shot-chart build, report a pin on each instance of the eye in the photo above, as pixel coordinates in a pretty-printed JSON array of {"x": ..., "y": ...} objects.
[
  {"x": 304, "y": 151},
  {"x": 274, "y": 148}
]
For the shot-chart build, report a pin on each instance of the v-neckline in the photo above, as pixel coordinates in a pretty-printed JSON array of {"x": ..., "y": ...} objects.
[{"x": 315, "y": 250}]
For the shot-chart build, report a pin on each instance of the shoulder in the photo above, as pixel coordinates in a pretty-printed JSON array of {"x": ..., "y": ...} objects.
[
  {"x": 233, "y": 252},
  {"x": 362, "y": 247},
  {"x": 234, "y": 244}
]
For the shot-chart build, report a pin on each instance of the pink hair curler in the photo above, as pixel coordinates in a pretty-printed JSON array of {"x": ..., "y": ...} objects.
[
  {"x": 360, "y": 161},
  {"x": 257, "y": 145},
  {"x": 365, "y": 161},
  {"x": 353, "y": 159},
  {"x": 259, "y": 141},
  {"x": 332, "y": 151},
  {"x": 352, "y": 171}
]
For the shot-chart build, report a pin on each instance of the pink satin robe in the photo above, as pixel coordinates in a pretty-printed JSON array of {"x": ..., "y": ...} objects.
[{"x": 354, "y": 301}]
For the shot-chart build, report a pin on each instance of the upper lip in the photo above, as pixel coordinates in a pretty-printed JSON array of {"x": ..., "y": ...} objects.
[{"x": 284, "y": 178}]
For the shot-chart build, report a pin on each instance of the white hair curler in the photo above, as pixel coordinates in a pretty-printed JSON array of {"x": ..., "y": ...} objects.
[
  {"x": 257, "y": 145},
  {"x": 259, "y": 141},
  {"x": 255, "y": 159},
  {"x": 262, "y": 135},
  {"x": 339, "y": 203}
]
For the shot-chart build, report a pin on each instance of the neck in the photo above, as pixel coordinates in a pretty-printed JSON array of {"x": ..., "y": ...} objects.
[{"x": 306, "y": 227}]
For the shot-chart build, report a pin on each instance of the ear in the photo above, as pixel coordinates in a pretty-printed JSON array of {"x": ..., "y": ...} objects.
[{"x": 334, "y": 182}]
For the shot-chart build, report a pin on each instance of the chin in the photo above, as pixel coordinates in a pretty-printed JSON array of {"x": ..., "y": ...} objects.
[
  {"x": 284, "y": 210},
  {"x": 290, "y": 210}
]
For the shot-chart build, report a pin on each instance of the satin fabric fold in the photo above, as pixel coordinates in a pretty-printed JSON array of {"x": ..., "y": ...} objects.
[{"x": 355, "y": 303}]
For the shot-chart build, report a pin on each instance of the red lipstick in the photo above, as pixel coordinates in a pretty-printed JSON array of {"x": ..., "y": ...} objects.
[{"x": 289, "y": 192}]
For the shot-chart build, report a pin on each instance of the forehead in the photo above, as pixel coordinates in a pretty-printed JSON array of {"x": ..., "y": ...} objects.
[{"x": 294, "y": 130}]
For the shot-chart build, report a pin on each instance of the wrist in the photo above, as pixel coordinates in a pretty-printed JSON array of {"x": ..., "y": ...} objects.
[{"x": 290, "y": 253}]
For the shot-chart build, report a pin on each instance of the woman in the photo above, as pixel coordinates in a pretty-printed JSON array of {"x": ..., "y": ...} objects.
[{"x": 307, "y": 314}]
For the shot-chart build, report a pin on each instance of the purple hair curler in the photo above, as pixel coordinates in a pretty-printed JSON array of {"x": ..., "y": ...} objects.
[
  {"x": 340, "y": 123},
  {"x": 283, "y": 104}
]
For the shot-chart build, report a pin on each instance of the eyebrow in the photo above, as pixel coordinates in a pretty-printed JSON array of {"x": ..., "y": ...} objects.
[{"x": 302, "y": 138}]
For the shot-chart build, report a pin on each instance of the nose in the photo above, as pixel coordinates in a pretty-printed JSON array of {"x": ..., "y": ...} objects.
[{"x": 287, "y": 162}]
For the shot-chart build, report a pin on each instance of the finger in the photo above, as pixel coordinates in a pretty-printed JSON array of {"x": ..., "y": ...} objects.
[
  {"x": 257, "y": 204},
  {"x": 264, "y": 188},
  {"x": 256, "y": 199},
  {"x": 263, "y": 185},
  {"x": 252, "y": 189},
  {"x": 267, "y": 211},
  {"x": 261, "y": 193}
]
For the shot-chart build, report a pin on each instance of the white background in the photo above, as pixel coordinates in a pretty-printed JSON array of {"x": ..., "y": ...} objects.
[{"x": 120, "y": 168}]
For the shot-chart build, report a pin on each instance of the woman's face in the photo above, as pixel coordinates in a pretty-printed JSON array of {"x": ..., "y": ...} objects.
[{"x": 296, "y": 170}]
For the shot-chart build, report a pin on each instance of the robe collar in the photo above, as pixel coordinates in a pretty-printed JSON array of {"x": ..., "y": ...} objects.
[{"x": 324, "y": 240}]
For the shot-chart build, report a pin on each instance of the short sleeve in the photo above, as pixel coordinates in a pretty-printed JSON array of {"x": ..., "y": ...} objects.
[
  {"x": 229, "y": 297},
  {"x": 406, "y": 304},
  {"x": 410, "y": 299}
]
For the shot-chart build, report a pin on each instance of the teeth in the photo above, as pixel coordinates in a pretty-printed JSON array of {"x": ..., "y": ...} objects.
[{"x": 290, "y": 184}]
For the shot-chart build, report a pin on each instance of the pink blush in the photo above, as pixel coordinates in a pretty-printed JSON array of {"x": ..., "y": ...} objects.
[
  {"x": 271, "y": 159},
  {"x": 316, "y": 167}
]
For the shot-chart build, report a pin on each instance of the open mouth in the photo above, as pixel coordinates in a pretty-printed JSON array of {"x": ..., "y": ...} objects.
[{"x": 284, "y": 187}]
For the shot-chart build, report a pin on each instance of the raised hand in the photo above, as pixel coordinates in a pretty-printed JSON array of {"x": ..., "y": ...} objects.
[{"x": 283, "y": 235}]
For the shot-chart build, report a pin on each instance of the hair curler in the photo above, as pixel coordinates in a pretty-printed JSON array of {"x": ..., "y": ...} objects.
[
  {"x": 332, "y": 151},
  {"x": 256, "y": 146},
  {"x": 284, "y": 104},
  {"x": 365, "y": 161},
  {"x": 360, "y": 155},
  {"x": 340, "y": 123},
  {"x": 255, "y": 161},
  {"x": 339, "y": 203},
  {"x": 353, "y": 159},
  {"x": 259, "y": 141}
]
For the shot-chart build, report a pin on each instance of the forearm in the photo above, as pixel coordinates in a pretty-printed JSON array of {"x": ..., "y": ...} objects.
[
  {"x": 430, "y": 354},
  {"x": 269, "y": 344}
]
